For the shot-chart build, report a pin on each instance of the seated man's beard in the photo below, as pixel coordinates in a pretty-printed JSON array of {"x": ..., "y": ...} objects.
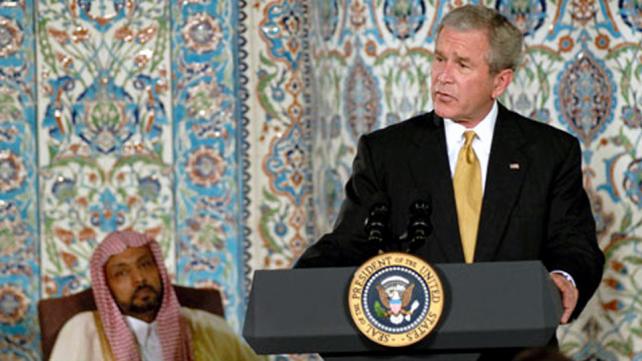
[{"x": 149, "y": 304}]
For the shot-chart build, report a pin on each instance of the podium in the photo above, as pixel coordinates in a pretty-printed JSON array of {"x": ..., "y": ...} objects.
[{"x": 487, "y": 306}]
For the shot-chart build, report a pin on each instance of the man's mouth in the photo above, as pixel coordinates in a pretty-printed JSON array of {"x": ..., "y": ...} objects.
[
  {"x": 144, "y": 292},
  {"x": 444, "y": 95},
  {"x": 144, "y": 299}
]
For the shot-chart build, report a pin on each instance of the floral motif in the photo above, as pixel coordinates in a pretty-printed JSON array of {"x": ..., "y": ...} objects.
[
  {"x": 207, "y": 100},
  {"x": 358, "y": 12},
  {"x": 9, "y": 103},
  {"x": 632, "y": 116},
  {"x": 328, "y": 12},
  {"x": 146, "y": 34},
  {"x": 205, "y": 167},
  {"x": 586, "y": 97},
  {"x": 13, "y": 232},
  {"x": 102, "y": 16},
  {"x": 633, "y": 182},
  {"x": 631, "y": 12},
  {"x": 87, "y": 235},
  {"x": 64, "y": 189},
  {"x": 206, "y": 232},
  {"x": 10, "y": 37},
  {"x": 13, "y": 304},
  {"x": 371, "y": 48},
  {"x": 602, "y": 41},
  {"x": 583, "y": 11},
  {"x": 566, "y": 43},
  {"x": 124, "y": 33},
  {"x": 64, "y": 235},
  {"x": 80, "y": 34},
  {"x": 149, "y": 188},
  {"x": 105, "y": 116},
  {"x": 108, "y": 214},
  {"x": 12, "y": 171},
  {"x": 528, "y": 16},
  {"x": 202, "y": 33},
  {"x": 286, "y": 164},
  {"x": 62, "y": 286},
  {"x": 404, "y": 18},
  {"x": 283, "y": 28},
  {"x": 362, "y": 106},
  {"x": 70, "y": 260}
]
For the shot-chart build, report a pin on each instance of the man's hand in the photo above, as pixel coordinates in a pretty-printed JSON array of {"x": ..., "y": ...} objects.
[{"x": 569, "y": 295}]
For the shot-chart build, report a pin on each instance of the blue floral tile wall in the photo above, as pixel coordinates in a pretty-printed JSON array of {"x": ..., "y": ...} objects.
[{"x": 226, "y": 129}]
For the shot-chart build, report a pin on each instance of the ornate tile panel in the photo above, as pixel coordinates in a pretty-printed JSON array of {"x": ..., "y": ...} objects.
[
  {"x": 280, "y": 133},
  {"x": 19, "y": 266},
  {"x": 208, "y": 146},
  {"x": 104, "y": 131}
]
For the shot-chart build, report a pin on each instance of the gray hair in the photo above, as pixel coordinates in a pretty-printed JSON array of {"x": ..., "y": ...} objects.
[{"x": 505, "y": 39}]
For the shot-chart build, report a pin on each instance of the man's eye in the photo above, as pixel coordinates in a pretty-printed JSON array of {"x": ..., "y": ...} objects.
[
  {"x": 119, "y": 274},
  {"x": 147, "y": 263}
]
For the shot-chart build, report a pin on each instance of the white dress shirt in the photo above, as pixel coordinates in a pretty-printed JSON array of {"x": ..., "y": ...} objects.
[
  {"x": 147, "y": 337},
  {"x": 481, "y": 144}
]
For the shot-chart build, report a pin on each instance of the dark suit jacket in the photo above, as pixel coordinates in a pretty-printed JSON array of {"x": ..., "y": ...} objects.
[{"x": 537, "y": 211}]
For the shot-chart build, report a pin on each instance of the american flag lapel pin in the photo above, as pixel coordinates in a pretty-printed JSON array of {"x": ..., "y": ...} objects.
[{"x": 513, "y": 166}]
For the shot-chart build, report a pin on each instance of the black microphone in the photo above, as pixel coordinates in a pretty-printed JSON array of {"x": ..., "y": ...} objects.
[
  {"x": 376, "y": 224},
  {"x": 419, "y": 226}
]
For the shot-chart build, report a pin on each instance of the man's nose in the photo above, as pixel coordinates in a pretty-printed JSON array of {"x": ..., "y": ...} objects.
[
  {"x": 137, "y": 277},
  {"x": 444, "y": 73}
]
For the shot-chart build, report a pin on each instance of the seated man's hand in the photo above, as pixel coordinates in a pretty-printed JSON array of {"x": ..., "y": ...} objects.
[{"x": 569, "y": 295}]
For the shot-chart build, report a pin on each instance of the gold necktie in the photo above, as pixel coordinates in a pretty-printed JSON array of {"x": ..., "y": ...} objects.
[{"x": 468, "y": 195}]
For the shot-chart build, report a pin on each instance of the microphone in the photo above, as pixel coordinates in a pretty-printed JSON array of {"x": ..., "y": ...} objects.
[
  {"x": 419, "y": 226},
  {"x": 376, "y": 224}
]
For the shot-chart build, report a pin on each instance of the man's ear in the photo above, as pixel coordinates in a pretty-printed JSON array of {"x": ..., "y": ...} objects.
[{"x": 501, "y": 81}]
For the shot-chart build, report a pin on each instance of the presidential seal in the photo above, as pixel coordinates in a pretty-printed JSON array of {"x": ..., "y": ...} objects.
[{"x": 396, "y": 299}]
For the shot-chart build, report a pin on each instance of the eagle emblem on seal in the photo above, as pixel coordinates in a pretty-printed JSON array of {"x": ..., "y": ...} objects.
[{"x": 395, "y": 296}]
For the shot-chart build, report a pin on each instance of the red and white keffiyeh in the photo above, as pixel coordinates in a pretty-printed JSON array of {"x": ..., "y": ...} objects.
[{"x": 174, "y": 337}]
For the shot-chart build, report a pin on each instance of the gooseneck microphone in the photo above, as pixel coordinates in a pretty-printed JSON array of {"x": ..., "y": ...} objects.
[
  {"x": 377, "y": 223},
  {"x": 419, "y": 226}
]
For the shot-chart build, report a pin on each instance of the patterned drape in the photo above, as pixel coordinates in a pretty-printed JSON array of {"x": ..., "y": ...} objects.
[{"x": 226, "y": 130}]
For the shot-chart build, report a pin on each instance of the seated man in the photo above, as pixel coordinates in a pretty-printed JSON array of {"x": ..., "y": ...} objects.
[{"x": 138, "y": 315}]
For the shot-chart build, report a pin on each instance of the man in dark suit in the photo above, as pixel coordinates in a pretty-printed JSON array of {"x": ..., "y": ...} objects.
[{"x": 518, "y": 194}]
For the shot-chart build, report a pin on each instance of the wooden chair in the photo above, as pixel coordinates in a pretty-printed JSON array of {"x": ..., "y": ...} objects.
[{"x": 53, "y": 313}]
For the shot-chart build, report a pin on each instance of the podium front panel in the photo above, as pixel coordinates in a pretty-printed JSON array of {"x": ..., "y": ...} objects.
[{"x": 487, "y": 306}]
